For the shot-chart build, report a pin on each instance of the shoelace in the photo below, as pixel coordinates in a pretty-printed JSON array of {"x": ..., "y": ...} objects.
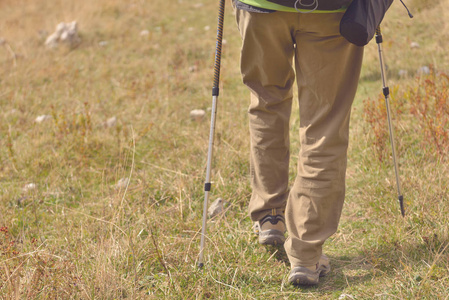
[{"x": 272, "y": 219}]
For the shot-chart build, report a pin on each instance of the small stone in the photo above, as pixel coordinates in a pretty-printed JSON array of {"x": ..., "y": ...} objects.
[
  {"x": 206, "y": 28},
  {"x": 414, "y": 45},
  {"x": 193, "y": 69},
  {"x": 122, "y": 183},
  {"x": 29, "y": 187},
  {"x": 103, "y": 43},
  {"x": 197, "y": 114},
  {"x": 66, "y": 33},
  {"x": 145, "y": 33},
  {"x": 52, "y": 40},
  {"x": 424, "y": 70},
  {"x": 42, "y": 118},
  {"x": 345, "y": 296},
  {"x": 402, "y": 73},
  {"x": 111, "y": 122},
  {"x": 60, "y": 28},
  {"x": 216, "y": 208}
]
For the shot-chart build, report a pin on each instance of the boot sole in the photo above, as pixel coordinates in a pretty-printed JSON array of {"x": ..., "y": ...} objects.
[
  {"x": 271, "y": 237},
  {"x": 302, "y": 278}
]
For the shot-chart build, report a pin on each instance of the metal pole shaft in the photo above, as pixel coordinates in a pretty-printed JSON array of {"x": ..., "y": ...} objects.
[
  {"x": 386, "y": 92},
  {"x": 215, "y": 93}
]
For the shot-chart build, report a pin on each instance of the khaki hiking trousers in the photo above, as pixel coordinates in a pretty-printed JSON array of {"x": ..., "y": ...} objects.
[{"x": 278, "y": 48}]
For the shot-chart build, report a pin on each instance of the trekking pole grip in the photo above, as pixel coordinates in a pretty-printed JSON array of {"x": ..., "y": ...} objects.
[{"x": 215, "y": 86}]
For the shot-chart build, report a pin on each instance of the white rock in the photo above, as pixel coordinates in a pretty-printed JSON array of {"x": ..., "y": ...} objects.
[
  {"x": 65, "y": 33},
  {"x": 215, "y": 208},
  {"x": 424, "y": 70},
  {"x": 193, "y": 68},
  {"x": 42, "y": 118},
  {"x": 402, "y": 73},
  {"x": 111, "y": 122},
  {"x": 65, "y": 36},
  {"x": 122, "y": 183},
  {"x": 345, "y": 296},
  {"x": 103, "y": 43},
  {"x": 144, "y": 33},
  {"x": 52, "y": 40},
  {"x": 29, "y": 187},
  {"x": 197, "y": 114},
  {"x": 414, "y": 45},
  {"x": 60, "y": 28},
  {"x": 70, "y": 34},
  {"x": 206, "y": 27}
]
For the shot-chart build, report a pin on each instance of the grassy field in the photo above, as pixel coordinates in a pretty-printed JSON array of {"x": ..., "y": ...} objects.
[{"x": 102, "y": 197}]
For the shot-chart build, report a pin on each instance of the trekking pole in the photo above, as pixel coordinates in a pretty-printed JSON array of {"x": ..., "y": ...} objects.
[
  {"x": 215, "y": 92},
  {"x": 386, "y": 92}
]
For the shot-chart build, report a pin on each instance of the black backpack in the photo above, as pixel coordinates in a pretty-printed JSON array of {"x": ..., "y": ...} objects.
[{"x": 361, "y": 19}]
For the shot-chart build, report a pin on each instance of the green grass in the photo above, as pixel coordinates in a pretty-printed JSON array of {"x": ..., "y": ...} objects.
[{"x": 78, "y": 235}]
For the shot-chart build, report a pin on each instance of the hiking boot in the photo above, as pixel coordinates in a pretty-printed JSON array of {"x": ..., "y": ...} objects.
[
  {"x": 310, "y": 275},
  {"x": 271, "y": 228}
]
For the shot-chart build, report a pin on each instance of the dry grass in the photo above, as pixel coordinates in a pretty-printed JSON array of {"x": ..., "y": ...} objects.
[{"x": 78, "y": 234}]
